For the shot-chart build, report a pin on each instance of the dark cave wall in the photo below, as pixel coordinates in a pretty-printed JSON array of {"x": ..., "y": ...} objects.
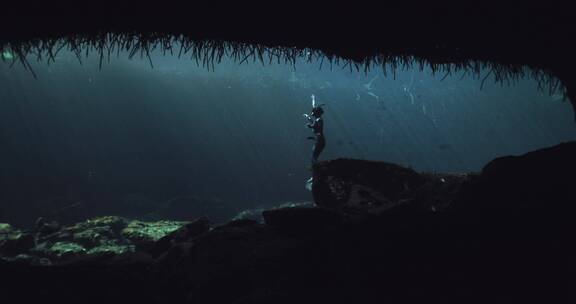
[{"x": 567, "y": 74}]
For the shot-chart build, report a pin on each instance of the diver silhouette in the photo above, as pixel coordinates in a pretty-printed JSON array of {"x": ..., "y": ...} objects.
[{"x": 316, "y": 123}]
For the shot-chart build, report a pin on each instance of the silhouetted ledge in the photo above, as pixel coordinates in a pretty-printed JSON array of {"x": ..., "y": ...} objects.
[
  {"x": 372, "y": 188},
  {"x": 419, "y": 248},
  {"x": 541, "y": 180}
]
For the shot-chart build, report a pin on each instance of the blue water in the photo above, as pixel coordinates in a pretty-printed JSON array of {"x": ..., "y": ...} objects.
[{"x": 127, "y": 138}]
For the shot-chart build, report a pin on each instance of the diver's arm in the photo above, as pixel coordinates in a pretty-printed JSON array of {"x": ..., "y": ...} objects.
[
  {"x": 316, "y": 123},
  {"x": 310, "y": 120}
]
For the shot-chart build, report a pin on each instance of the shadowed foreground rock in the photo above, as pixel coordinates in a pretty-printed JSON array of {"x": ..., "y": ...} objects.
[
  {"x": 540, "y": 180},
  {"x": 464, "y": 252},
  {"x": 372, "y": 188}
]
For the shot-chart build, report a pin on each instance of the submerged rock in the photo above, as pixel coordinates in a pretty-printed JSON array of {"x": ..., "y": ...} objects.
[
  {"x": 250, "y": 214},
  {"x": 26, "y": 259},
  {"x": 45, "y": 227},
  {"x": 296, "y": 220},
  {"x": 63, "y": 250},
  {"x": 541, "y": 180},
  {"x": 319, "y": 255},
  {"x": 363, "y": 185},
  {"x": 93, "y": 237},
  {"x": 101, "y": 234},
  {"x": 256, "y": 214},
  {"x": 109, "y": 235},
  {"x": 112, "y": 248},
  {"x": 372, "y": 188},
  {"x": 116, "y": 223},
  {"x": 5, "y": 228},
  {"x": 184, "y": 233},
  {"x": 145, "y": 234},
  {"x": 14, "y": 241}
]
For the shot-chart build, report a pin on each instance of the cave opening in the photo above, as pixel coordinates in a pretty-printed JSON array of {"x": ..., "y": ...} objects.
[
  {"x": 206, "y": 118},
  {"x": 155, "y": 134}
]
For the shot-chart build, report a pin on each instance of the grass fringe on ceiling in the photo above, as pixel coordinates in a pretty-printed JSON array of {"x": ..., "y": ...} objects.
[{"x": 207, "y": 53}]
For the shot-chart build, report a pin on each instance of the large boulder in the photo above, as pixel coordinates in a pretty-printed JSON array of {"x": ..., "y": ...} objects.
[
  {"x": 297, "y": 220},
  {"x": 364, "y": 185},
  {"x": 185, "y": 233},
  {"x": 541, "y": 180},
  {"x": 371, "y": 187}
]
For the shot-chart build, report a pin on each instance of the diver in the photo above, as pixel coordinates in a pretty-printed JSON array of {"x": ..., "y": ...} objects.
[{"x": 316, "y": 123}]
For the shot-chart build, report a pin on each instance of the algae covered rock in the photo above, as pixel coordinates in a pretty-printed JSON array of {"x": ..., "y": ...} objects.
[
  {"x": 107, "y": 234},
  {"x": 5, "y": 228},
  {"x": 91, "y": 233},
  {"x": 13, "y": 241},
  {"x": 186, "y": 233},
  {"x": 102, "y": 235},
  {"x": 93, "y": 237},
  {"x": 112, "y": 248},
  {"x": 62, "y": 250},
  {"x": 116, "y": 223},
  {"x": 144, "y": 234}
]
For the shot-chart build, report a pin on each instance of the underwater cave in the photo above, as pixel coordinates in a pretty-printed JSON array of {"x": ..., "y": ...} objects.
[
  {"x": 162, "y": 136},
  {"x": 166, "y": 159}
]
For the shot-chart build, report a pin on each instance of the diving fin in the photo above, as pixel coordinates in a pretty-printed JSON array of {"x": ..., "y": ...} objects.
[{"x": 309, "y": 183}]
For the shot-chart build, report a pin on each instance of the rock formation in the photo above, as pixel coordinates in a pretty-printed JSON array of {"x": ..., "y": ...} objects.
[{"x": 379, "y": 231}]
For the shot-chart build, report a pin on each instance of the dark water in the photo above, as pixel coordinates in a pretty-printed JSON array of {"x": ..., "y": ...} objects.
[{"x": 178, "y": 140}]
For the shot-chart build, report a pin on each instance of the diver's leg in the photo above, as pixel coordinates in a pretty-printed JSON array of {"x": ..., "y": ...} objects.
[{"x": 318, "y": 148}]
